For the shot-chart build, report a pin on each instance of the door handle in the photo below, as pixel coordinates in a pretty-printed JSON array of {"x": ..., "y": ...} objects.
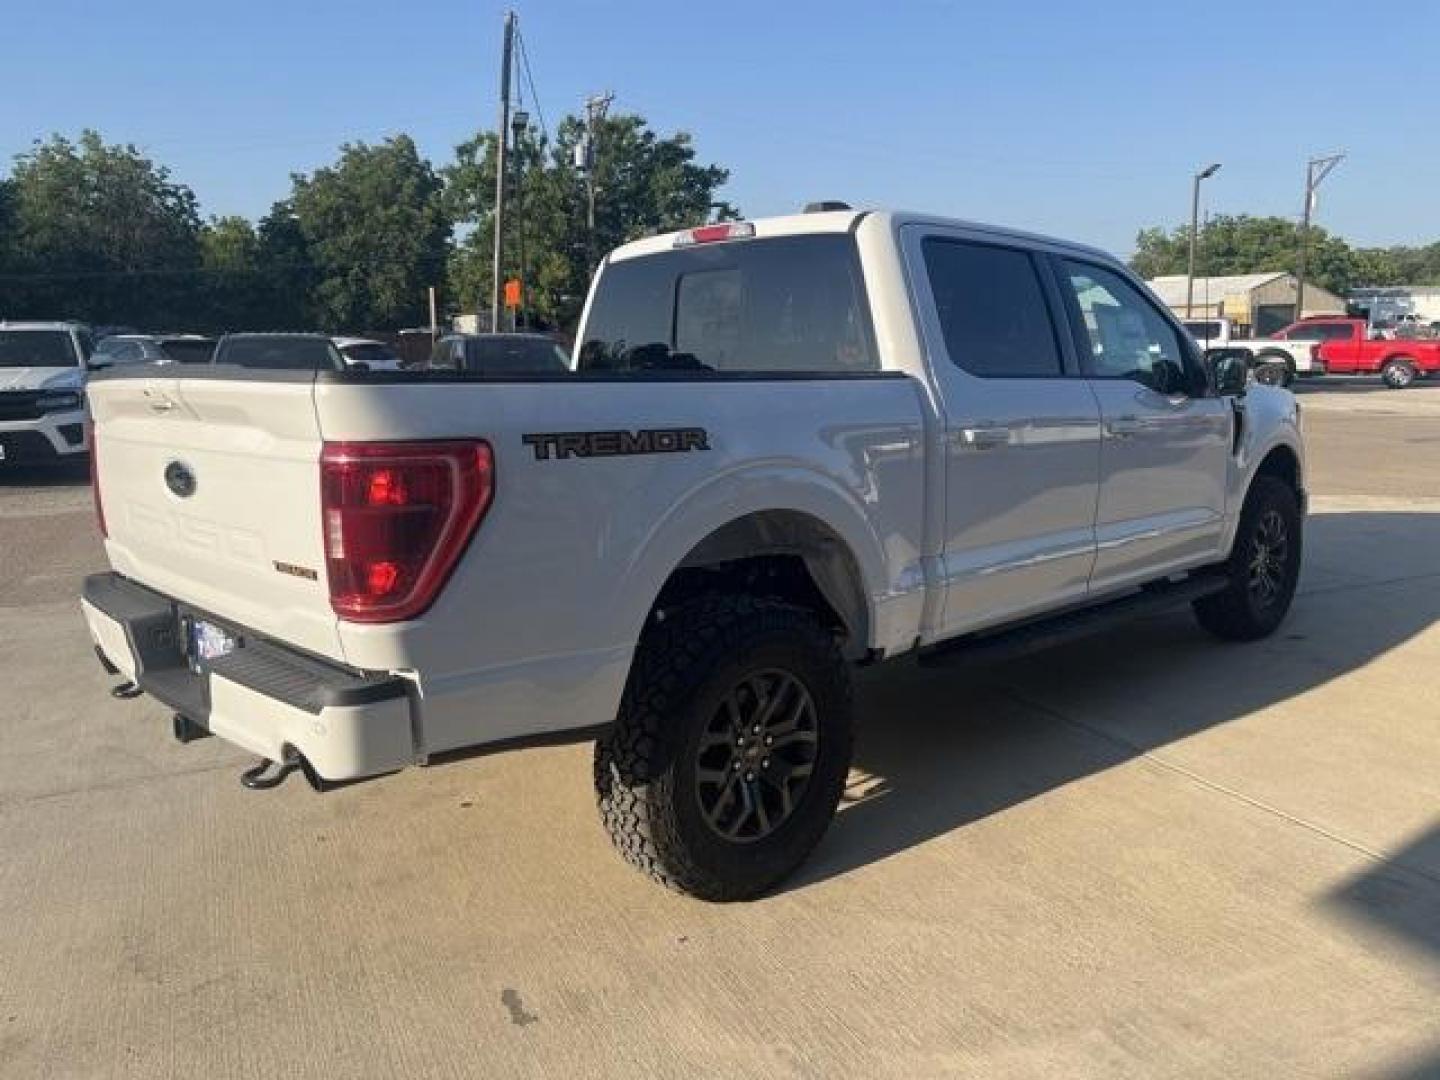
[
  {"x": 983, "y": 438},
  {"x": 1123, "y": 427}
]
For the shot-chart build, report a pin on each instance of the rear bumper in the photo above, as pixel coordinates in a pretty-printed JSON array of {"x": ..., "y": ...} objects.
[
  {"x": 266, "y": 697},
  {"x": 52, "y": 437}
]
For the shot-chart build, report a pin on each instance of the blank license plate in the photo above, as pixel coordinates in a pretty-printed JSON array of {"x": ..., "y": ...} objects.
[{"x": 208, "y": 641}]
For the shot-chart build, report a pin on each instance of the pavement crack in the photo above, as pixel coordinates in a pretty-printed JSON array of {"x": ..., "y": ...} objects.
[
  {"x": 1136, "y": 750},
  {"x": 113, "y": 785}
]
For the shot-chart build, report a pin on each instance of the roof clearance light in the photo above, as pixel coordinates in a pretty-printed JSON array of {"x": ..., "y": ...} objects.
[{"x": 712, "y": 234}]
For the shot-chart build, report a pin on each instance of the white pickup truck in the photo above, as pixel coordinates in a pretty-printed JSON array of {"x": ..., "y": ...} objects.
[
  {"x": 782, "y": 448},
  {"x": 1293, "y": 353}
]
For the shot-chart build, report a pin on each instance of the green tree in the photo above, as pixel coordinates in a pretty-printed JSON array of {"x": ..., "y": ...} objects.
[
  {"x": 374, "y": 232},
  {"x": 1241, "y": 244},
  {"x": 98, "y": 232},
  {"x": 645, "y": 184},
  {"x": 287, "y": 275}
]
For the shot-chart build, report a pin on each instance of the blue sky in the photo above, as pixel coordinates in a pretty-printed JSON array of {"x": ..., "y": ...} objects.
[{"x": 1082, "y": 119}]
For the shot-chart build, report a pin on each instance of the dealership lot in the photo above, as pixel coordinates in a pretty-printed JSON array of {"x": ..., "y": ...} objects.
[{"x": 1144, "y": 855}]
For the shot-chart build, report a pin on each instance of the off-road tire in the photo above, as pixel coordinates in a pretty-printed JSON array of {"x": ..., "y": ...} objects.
[
  {"x": 1399, "y": 372},
  {"x": 646, "y": 767},
  {"x": 1236, "y": 613}
]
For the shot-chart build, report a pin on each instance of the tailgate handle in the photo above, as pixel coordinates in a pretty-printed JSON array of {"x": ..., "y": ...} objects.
[{"x": 158, "y": 402}]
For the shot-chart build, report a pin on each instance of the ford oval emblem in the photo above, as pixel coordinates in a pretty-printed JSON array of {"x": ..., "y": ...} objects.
[{"x": 180, "y": 479}]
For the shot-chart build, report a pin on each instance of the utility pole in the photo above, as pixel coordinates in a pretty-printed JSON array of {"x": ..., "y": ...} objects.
[
  {"x": 519, "y": 123},
  {"x": 501, "y": 135},
  {"x": 1203, "y": 174},
  {"x": 596, "y": 107},
  {"x": 1315, "y": 171}
]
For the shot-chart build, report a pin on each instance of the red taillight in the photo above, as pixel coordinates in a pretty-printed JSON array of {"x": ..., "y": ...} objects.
[
  {"x": 397, "y": 517},
  {"x": 95, "y": 479},
  {"x": 710, "y": 234}
]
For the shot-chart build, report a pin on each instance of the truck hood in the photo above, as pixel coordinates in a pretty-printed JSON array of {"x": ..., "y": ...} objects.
[{"x": 41, "y": 378}]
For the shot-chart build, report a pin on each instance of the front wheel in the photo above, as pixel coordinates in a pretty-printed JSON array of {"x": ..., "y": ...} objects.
[
  {"x": 1274, "y": 369},
  {"x": 1398, "y": 372},
  {"x": 1263, "y": 568},
  {"x": 731, "y": 747}
]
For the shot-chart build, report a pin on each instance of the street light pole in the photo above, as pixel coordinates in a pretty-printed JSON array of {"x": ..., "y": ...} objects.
[
  {"x": 1203, "y": 174},
  {"x": 1316, "y": 169}
]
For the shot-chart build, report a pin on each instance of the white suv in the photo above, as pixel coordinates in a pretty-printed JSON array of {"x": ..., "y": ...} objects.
[{"x": 42, "y": 391}]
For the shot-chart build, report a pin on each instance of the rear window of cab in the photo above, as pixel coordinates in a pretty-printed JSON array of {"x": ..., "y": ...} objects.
[{"x": 791, "y": 304}]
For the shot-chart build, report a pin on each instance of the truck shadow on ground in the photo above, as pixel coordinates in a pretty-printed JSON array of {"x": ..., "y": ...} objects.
[
  {"x": 938, "y": 750},
  {"x": 1400, "y": 898}
]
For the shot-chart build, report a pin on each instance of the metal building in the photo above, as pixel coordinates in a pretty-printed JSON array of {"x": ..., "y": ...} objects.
[
  {"x": 1394, "y": 305},
  {"x": 1257, "y": 303}
]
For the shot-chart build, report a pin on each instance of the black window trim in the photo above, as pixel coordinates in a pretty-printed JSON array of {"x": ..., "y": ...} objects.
[
  {"x": 1048, "y": 290},
  {"x": 1194, "y": 365}
]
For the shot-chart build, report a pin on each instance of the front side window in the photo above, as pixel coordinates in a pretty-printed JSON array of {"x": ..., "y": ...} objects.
[
  {"x": 1125, "y": 337},
  {"x": 786, "y": 304},
  {"x": 992, "y": 310}
]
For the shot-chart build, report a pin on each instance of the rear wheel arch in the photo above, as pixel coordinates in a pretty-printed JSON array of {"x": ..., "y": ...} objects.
[{"x": 785, "y": 554}]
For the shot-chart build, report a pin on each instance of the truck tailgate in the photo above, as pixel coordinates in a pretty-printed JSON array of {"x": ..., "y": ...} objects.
[{"x": 211, "y": 495}]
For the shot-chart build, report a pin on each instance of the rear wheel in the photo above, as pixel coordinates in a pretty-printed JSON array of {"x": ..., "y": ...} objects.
[
  {"x": 731, "y": 747},
  {"x": 1399, "y": 372},
  {"x": 1263, "y": 568}
]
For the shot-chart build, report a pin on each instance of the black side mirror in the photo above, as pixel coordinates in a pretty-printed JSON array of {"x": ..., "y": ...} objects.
[{"x": 1229, "y": 371}]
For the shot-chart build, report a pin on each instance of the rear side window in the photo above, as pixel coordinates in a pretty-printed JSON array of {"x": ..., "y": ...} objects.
[
  {"x": 789, "y": 304},
  {"x": 992, "y": 310},
  {"x": 1320, "y": 332}
]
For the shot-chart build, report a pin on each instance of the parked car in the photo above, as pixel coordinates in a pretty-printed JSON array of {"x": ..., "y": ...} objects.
[
  {"x": 374, "y": 355},
  {"x": 153, "y": 349},
  {"x": 306, "y": 352},
  {"x": 500, "y": 354},
  {"x": 785, "y": 447},
  {"x": 42, "y": 391},
  {"x": 1349, "y": 349}
]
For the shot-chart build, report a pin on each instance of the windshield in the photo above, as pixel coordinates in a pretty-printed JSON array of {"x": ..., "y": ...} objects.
[
  {"x": 37, "y": 348},
  {"x": 279, "y": 351},
  {"x": 189, "y": 350},
  {"x": 514, "y": 355},
  {"x": 374, "y": 354}
]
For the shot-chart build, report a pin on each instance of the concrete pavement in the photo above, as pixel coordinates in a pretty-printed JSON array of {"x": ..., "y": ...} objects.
[{"x": 1144, "y": 855}]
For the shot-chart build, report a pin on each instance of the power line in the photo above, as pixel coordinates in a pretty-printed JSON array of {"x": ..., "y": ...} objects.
[{"x": 530, "y": 81}]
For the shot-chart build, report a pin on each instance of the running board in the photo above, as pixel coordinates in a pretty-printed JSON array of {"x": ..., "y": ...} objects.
[{"x": 993, "y": 645}]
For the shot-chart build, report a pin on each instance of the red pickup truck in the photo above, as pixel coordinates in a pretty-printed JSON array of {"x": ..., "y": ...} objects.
[{"x": 1347, "y": 349}]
